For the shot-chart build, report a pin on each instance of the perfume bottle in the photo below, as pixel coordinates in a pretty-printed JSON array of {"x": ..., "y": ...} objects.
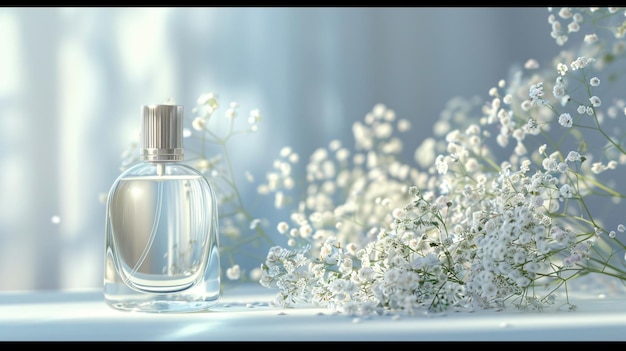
[{"x": 161, "y": 247}]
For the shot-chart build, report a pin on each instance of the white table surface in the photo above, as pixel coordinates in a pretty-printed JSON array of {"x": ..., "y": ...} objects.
[{"x": 243, "y": 314}]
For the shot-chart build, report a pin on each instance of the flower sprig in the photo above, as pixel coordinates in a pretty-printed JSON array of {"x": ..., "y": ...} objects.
[
  {"x": 473, "y": 229},
  {"x": 239, "y": 229}
]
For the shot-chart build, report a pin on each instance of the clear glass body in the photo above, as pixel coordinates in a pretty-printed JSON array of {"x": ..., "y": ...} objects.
[{"x": 161, "y": 247}]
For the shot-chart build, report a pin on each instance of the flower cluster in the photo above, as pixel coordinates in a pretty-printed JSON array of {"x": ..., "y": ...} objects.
[{"x": 505, "y": 206}]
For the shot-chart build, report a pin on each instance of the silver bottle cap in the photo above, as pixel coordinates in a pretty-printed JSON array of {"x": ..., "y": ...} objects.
[{"x": 162, "y": 133}]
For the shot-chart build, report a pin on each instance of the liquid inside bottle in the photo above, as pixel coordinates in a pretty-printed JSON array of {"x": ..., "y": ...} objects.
[{"x": 161, "y": 247}]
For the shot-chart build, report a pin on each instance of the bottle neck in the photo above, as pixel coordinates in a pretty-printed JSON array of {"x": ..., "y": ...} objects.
[
  {"x": 161, "y": 155},
  {"x": 162, "y": 168}
]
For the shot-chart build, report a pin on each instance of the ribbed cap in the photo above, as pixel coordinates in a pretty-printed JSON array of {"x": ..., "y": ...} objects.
[{"x": 162, "y": 133}]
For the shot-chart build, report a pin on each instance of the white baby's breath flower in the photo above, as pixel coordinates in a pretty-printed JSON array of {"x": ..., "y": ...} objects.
[
  {"x": 254, "y": 117},
  {"x": 591, "y": 38},
  {"x": 441, "y": 164},
  {"x": 234, "y": 272},
  {"x": 282, "y": 227},
  {"x": 565, "y": 120},
  {"x": 595, "y": 101},
  {"x": 531, "y": 64},
  {"x": 198, "y": 123},
  {"x": 573, "y": 156}
]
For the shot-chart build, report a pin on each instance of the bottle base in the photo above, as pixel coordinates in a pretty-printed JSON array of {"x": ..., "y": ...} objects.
[{"x": 163, "y": 306}]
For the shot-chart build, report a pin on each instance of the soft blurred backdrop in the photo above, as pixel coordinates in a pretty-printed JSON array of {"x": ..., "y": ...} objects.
[{"x": 72, "y": 81}]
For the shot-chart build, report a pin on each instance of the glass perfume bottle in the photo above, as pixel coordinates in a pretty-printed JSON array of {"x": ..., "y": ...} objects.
[{"x": 161, "y": 247}]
